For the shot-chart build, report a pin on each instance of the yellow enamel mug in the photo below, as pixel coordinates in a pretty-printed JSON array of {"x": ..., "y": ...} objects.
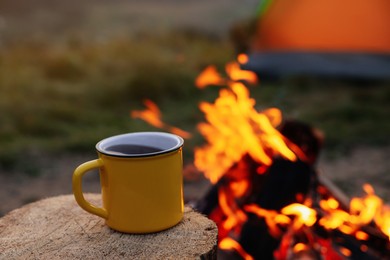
[{"x": 141, "y": 181}]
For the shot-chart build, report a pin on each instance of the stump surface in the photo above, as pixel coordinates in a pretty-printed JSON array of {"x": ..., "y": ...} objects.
[{"x": 57, "y": 228}]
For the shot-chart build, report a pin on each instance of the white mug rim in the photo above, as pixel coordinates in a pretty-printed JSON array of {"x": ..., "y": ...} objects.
[{"x": 166, "y": 142}]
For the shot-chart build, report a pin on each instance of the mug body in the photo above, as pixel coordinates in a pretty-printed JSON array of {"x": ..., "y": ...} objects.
[{"x": 142, "y": 191}]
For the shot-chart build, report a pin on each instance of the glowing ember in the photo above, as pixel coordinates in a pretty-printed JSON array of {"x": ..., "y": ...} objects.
[
  {"x": 361, "y": 235},
  {"x": 229, "y": 244},
  {"x": 300, "y": 247},
  {"x": 242, "y": 58},
  {"x": 329, "y": 204},
  {"x": 345, "y": 251}
]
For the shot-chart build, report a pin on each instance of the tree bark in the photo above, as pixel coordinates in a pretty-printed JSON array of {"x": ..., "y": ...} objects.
[{"x": 57, "y": 228}]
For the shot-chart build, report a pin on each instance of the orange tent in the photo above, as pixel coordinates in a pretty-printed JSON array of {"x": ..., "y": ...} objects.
[
  {"x": 325, "y": 25},
  {"x": 342, "y": 38}
]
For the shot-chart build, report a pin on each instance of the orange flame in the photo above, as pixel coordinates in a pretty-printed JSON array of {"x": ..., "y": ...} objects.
[
  {"x": 335, "y": 220},
  {"x": 240, "y": 130},
  {"x": 229, "y": 244},
  {"x": 235, "y": 129},
  {"x": 272, "y": 218},
  {"x": 236, "y": 74},
  {"x": 209, "y": 76},
  {"x": 362, "y": 212},
  {"x": 382, "y": 219},
  {"x": 304, "y": 215},
  {"x": 235, "y": 216},
  {"x": 152, "y": 115}
]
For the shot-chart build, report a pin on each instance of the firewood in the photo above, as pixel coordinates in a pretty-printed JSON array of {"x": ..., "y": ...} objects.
[{"x": 58, "y": 228}]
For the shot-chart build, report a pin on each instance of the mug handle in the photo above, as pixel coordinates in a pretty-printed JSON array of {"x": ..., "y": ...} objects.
[{"x": 78, "y": 191}]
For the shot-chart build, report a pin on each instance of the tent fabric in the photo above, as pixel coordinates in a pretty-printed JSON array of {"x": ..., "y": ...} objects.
[
  {"x": 330, "y": 38},
  {"x": 325, "y": 25},
  {"x": 330, "y": 65}
]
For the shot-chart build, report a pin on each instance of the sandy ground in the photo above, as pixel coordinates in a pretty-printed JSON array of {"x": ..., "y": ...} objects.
[{"x": 362, "y": 165}]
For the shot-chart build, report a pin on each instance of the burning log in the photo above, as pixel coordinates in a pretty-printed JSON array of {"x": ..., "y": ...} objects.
[
  {"x": 284, "y": 183},
  {"x": 271, "y": 189},
  {"x": 257, "y": 239},
  {"x": 290, "y": 179}
]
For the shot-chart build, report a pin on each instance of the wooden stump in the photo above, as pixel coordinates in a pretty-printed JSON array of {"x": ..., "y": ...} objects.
[{"x": 57, "y": 228}]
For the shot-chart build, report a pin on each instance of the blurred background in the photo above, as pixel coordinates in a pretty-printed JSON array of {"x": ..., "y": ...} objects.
[{"x": 71, "y": 72}]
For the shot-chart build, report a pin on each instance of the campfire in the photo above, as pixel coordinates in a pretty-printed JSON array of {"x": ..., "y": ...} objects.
[{"x": 267, "y": 198}]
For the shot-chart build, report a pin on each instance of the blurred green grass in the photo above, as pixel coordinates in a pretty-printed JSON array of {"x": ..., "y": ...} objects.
[
  {"x": 349, "y": 113},
  {"x": 64, "y": 97}
]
